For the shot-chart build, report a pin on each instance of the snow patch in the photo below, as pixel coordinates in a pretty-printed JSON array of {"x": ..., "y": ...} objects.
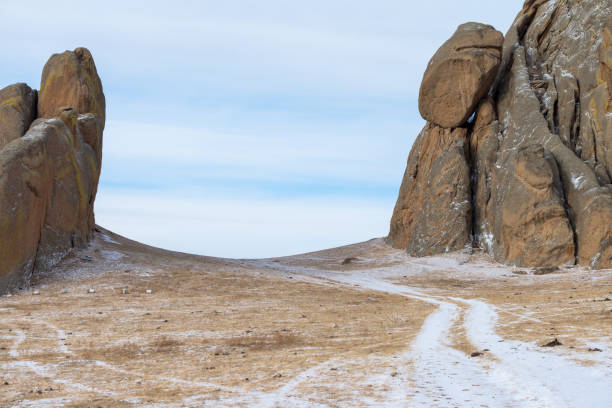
[
  {"x": 112, "y": 255},
  {"x": 108, "y": 239},
  {"x": 542, "y": 377}
]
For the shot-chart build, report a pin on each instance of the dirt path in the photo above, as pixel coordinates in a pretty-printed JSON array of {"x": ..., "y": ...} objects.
[
  {"x": 513, "y": 373},
  {"x": 357, "y": 326}
]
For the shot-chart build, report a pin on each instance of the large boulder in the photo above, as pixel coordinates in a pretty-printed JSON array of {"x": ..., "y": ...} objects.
[
  {"x": 48, "y": 179},
  {"x": 460, "y": 74},
  {"x": 540, "y": 145},
  {"x": 48, "y": 184},
  {"x": 70, "y": 79},
  {"x": 17, "y": 111},
  {"x": 433, "y": 211}
]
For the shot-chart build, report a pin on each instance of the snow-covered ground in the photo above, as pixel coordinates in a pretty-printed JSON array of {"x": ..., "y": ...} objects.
[
  {"x": 513, "y": 374},
  {"x": 434, "y": 368}
]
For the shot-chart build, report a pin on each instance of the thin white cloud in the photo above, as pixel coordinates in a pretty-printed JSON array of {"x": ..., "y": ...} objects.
[
  {"x": 239, "y": 227},
  {"x": 350, "y": 155},
  {"x": 379, "y": 47}
]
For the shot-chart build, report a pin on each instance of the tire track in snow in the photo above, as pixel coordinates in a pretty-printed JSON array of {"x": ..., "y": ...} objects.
[
  {"x": 546, "y": 378},
  {"x": 444, "y": 377},
  {"x": 525, "y": 376},
  {"x": 280, "y": 397},
  {"x": 61, "y": 337}
]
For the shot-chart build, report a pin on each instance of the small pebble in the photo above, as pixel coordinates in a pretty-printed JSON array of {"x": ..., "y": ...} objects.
[
  {"x": 37, "y": 292},
  {"x": 92, "y": 290},
  {"x": 124, "y": 291},
  {"x": 149, "y": 291}
]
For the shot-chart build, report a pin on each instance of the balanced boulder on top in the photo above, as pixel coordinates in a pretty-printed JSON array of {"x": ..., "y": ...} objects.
[
  {"x": 460, "y": 74},
  {"x": 540, "y": 143}
]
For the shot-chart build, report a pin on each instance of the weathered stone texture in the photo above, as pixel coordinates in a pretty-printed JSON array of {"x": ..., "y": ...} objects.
[
  {"x": 48, "y": 183},
  {"x": 432, "y": 213},
  {"x": 70, "y": 80},
  {"x": 17, "y": 111},
  {"x": 460, "y": 74},
  {"x": 540, "y": 146}
]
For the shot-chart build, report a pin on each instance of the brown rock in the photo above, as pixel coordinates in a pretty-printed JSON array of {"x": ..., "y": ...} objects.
[
  {"x": 484, "y": 144},
  {"x": 90, "y": 128},
  {"x": 535, "y": 226},
  {"x": 70, "y": 79},
  {"x": 460, "y": 74},
  {"x": 432, "y": 213},
  {"x": 590, "y": 203},
  {"x": 17, "y": 111},
  {"x": 541, "y": 168},
  {"x": 49, "y": 177},
  {"x": 55, "y": 183}
]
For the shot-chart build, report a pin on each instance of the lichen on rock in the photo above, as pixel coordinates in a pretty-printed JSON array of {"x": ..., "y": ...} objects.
[{"x": 49, "y": 171}]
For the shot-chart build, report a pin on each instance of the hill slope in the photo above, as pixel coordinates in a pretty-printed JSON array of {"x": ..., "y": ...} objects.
[{"x": 361, "y": 325}]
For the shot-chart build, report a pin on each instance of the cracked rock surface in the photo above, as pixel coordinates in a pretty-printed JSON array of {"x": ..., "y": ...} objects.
[
  {"x": 49, "y": 167},
  {"x": 539, "y": 156}
]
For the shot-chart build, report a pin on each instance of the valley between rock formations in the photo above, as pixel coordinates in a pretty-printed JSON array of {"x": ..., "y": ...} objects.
[
  {"x": 514, "y": 164},
  {"x": 361, "y": 325}
]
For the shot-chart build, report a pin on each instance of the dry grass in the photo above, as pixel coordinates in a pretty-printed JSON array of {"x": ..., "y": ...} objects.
[
  {"x": 271, "y": 342},
  {"x": 123, "y": 352},
  {"x": 569, "y": 304},
  {"x": 165, "y": 344},
  {"x": 216, "y": 329},
  {"x": 209, "y": 325}
]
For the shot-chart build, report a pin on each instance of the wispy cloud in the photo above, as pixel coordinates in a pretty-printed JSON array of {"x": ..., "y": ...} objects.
[{"x": 239, "y": 226}]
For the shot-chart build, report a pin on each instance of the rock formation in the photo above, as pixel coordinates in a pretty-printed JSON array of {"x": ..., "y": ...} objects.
[
  {"x": 433, "y": 210},
  {"x": 71, "y": 79},
  {"x": 531, "y": 121},
  {"x": 50, "y": 166},
  {"x": 17, "y": 111},
  {"x": 460, "y": 74}
]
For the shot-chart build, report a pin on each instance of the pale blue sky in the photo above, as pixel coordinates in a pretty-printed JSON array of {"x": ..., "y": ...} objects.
[{"x": 248, "y": 128}]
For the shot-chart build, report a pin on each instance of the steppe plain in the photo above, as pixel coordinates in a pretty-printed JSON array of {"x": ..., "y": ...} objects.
[{"x": 124, "y": 324}]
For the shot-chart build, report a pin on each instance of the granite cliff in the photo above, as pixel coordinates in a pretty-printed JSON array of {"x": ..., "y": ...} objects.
[{"x": 516, "y": 155}]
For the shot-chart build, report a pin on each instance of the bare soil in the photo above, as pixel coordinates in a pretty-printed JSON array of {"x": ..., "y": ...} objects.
[
  {"x": 275, "y": 332},
  {"x": 210, "y": 329}
]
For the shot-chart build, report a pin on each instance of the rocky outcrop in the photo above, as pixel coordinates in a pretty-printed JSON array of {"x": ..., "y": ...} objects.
[
  {"x": 533, "y": 224},
  {"x": 70, "y": 79},
  {"x": 460, "y": 74},
  {"x": 433, "y": 210},
  {"x": 17, "y": 111},
  {"x": 540, "y": 143},
  {"x": 48, "y": 179}
]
